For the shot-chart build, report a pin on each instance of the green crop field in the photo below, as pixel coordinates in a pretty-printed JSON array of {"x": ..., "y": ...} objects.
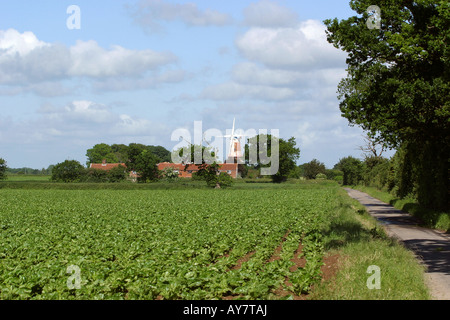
[
  {"x": 153, "y": 244},
  {"x": 187, "y": 242}
]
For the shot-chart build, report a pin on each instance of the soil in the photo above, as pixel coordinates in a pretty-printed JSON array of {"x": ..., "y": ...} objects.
[{"x": 328, "y": 270}]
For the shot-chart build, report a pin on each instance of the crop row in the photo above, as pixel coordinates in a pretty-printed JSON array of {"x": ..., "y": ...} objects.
[{"x": 155, "y": 244}]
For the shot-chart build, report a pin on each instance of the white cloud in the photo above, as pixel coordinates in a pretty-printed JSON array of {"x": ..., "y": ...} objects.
[
  {"x": 90, "y": 60},
  {"x": 78, "y": 120},
  {"x": 248, "y": 72},
  {"x": 55, "y": 133},
  {"x": 149, "y": 14},
  {"x": 269, "y": 14},
  {"x": 304, "y": 46},
  {"x": 149, "y": 81},
  {"x": 294, "y": 65},
  {"x": 236, "y": 91},
  {"x": 33, "y": 65},
  {"x": 12, "y": 42}
]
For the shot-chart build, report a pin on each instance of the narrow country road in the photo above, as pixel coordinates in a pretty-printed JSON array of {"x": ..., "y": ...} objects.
[{"x": 430, "y": 246}]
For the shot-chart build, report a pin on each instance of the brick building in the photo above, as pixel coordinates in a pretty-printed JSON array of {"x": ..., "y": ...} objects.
[{"x": 229, "y": 168}]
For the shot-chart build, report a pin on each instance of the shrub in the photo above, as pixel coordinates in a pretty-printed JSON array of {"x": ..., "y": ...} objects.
[
  {"x": 68, "y": 171},
  {"x": 352, "y": 169},
  {"x": 2, "y": 169},
  {"x": 313, "y": 168},
  {"x": 95, "y": 175},
  {"x": 117, "y": 174},
  {"x": 170, "y": 174},
  {"x": 321, "y": 176}
]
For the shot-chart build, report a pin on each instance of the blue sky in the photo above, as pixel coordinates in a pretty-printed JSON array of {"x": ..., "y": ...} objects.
[{"x": 138, "y": 70}]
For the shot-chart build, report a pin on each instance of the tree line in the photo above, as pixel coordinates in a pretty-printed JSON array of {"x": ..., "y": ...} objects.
[{"x": 398, "y": 90}]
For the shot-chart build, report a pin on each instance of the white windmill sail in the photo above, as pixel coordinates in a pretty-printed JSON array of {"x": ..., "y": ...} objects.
[{"x": 234, "y": 150}]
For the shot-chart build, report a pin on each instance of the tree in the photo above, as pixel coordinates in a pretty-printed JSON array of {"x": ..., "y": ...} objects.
[
  {"x": 67, "y": 171},
  {"x": 398, "y": 84},
  {"x": 162, "y": 153},
  {"x": 197, "y": 154},
  {"x": 146, "y": 164},
  {"x": 313, "y": 168},
  {"x": 117, "y": 174},
  {"x": 214, "y": 179},
  {"x": 100, "y": 152},
  {"x": 352, "y": 169},
  {"x": 120, "y": 151},
  {"x": 372, "y": 148},
  {"x": 134, "y": 151},
  {"x": 95, "y": 175},
  {"x": 287, "y": 157},
  {"x": 3, "y": 168}
]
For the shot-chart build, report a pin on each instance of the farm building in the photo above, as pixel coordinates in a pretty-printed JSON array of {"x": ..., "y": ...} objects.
[
  {"x": 229, "y": 168},
  {"x": 108, "y": 166}
]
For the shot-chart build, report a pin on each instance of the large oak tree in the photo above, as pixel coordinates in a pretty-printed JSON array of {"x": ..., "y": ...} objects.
[{"x": 398, "y": 84}]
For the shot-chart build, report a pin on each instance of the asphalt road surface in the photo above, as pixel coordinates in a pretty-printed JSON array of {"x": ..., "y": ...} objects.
[{"x": 431, "y": 247}]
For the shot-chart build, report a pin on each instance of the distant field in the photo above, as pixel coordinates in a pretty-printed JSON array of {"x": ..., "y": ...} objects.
[{"x": 27, "y": 177}]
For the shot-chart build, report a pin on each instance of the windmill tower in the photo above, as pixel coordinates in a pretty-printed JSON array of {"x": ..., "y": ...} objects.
[{"x": 234, "y": 150}]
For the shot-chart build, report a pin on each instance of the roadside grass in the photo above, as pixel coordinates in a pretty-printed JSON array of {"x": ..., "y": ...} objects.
[
  {"x": 361, "y": 243},
  {"x": 429, "y": 218}
]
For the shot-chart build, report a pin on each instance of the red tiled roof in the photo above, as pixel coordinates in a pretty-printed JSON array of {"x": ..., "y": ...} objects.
[
  {"x": 106, "y": 166},
  {"x": 223, "y": 167}
]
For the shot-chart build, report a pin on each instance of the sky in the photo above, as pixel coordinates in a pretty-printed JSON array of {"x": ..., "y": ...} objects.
[{"x": 140, "y": 71}]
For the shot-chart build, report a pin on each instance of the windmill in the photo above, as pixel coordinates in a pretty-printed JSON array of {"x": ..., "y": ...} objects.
[{"x": 234, "y": 150}]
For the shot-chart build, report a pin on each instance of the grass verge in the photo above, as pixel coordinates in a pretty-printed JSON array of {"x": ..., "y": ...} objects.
[
  {"x": 429, "y": 218},
  {"x": 361, "y": 243}
]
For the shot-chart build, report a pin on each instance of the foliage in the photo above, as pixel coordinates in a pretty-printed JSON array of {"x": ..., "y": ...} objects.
[
  {"x": 170, "y": 174},
  {"x": 31, "y": 171},
  {"x": 313, "y": 168},
  {"x": 377, "y": 172},
  {"x": 352, "y": 169},
  {"x": 321, "y": 176},
  {"x": 197, "y": 154},
  {"x": 3, "y": 169},
  {"x": 73, "y": 171},
  {"x": 100, "y": 152},
  {"x": 213, "y": 177},
  {"x": 333, "y": 173},
  {"x": 296, "y": 172},
  {"x": 95, "y": 175},
  {"x": 146, "y": 164},
  {"x": 288, "y": 157},
  {"x": 117, "y": 174},
  {"x": 120, "y": 153},
  {"x": 262, "y": 144},
  {"x": 398, "y": 87},
  {"x": 402, "y": 176},
  {"x": 224, "y": 180},
  {"x": 157, "y": 243},
  {"x": 68, "y": 171}
]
